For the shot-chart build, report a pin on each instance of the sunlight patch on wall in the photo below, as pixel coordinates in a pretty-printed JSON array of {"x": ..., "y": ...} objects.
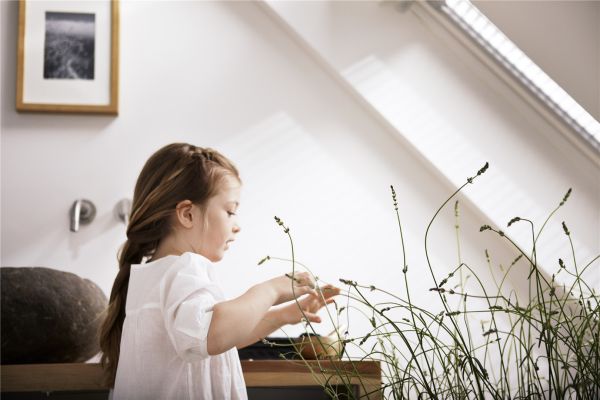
[{"x": 495, "y": 194}]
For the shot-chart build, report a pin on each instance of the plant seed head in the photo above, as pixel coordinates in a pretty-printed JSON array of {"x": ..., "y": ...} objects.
[
  {"x": 566, "y": 229},
  {"x": 264, "y": 260},
  {"x": 564, "y": 200},
  {"x": 483, "y": 169},
  {"x": 512, "y": 221}
]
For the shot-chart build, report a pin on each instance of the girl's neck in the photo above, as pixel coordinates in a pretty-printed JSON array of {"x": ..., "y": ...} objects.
[{"x": 169, "y": 248}]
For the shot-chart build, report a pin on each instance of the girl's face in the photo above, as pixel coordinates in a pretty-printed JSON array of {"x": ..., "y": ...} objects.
[{"x": 213, "y": 237}]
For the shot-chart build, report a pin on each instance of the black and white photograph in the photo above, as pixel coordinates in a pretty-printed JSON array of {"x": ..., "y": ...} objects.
[
  {"x": 68, "y": 56},
  {"x": 69, "y": 45}
]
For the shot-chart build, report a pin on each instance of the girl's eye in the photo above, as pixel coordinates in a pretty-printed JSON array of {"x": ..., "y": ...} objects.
[{"x": 230, "y": 213}]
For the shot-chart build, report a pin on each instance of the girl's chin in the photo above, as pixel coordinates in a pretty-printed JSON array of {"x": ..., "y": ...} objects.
[
  {"x": 217, "y": 256},
  {"x": 214, "y": 257}
]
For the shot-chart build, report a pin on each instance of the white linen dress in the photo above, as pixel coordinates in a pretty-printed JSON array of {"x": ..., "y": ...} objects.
[{"x": 163, "y": 344}]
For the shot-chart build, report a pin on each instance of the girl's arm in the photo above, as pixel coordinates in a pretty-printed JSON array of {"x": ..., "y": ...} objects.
[
  {"x": 233, "y": 320},
  {"x": 275, "y": 318},
  {"x": 267, "y": 325}
]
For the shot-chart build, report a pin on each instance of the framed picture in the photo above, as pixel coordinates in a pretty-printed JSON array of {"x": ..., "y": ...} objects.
[{"x": 68, "y": 56}]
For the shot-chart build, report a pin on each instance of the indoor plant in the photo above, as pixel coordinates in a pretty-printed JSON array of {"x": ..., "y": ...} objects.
[{"x": 543, "y": 345}]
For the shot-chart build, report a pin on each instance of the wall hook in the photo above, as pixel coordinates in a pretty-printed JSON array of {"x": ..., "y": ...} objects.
[
  {"x": 82, "y": 212},
  {"x": 123, "y": 210}
]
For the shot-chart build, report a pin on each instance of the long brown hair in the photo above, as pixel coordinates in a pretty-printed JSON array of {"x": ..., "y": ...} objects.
[{"x": 176, "y": 172}]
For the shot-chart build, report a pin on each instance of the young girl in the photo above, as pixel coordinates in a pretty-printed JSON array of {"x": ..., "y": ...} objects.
[{"x": 169, "y": 332}]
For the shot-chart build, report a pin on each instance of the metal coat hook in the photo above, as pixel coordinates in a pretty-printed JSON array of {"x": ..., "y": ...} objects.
[
  {"x": 82, "y": 213},
  {"x": 123, "y": 210}
]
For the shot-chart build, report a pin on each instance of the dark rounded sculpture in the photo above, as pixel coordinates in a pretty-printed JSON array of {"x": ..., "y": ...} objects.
[{"x": 49, "y": 316}]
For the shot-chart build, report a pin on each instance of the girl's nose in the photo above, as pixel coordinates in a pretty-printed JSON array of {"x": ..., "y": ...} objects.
[{"x": 236, "y": 228}]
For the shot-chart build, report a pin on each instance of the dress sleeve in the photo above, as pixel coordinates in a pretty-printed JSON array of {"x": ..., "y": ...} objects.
[{"x": 187, "y": 298}]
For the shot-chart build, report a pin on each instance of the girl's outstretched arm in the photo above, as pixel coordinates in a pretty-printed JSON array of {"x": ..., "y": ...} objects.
[
  {"x": 292, "y": 313},
  {"x": 271, "y": 321},
  {"x": 234, "y": 320}
]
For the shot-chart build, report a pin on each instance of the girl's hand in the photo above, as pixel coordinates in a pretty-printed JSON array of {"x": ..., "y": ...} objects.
[
  {"x": 289, "y": 287},
  {"x": 309, "y": 304}
]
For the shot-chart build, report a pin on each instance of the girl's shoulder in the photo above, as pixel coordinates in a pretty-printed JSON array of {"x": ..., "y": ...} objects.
[
  {"x": 186, "y": 264},
  {"x": 177, "y": 261},
  {"x": 193, "y": 260},
  {"x": 190, "y": 264}
]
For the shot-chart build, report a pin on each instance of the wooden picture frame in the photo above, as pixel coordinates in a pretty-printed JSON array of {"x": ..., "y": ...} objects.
[{"x": 68, "y": 57}]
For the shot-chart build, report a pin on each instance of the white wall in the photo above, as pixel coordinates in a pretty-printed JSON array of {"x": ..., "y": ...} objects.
[{"x": 310, "y": 151}]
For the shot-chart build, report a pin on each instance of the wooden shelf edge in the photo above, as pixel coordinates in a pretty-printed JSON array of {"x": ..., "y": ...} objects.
[{"x": 257, "y": 373}]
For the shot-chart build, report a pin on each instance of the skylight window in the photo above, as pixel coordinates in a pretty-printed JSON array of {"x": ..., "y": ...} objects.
[{"x": 483, "y": 31}]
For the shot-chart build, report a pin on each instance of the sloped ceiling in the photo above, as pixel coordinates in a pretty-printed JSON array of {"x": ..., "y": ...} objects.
[{"x": 439, "y": 101}]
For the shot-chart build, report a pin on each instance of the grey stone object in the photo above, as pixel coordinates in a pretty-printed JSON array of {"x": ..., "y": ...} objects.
[{"x": 49, "y": 316}]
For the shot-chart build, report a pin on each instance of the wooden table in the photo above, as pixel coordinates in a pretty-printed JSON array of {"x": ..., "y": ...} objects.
[{"x": 366, "y": 375}]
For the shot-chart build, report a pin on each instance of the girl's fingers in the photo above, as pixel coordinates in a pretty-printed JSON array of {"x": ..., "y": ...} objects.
[
  {"x": 307, "y": 285},
  {"x": 312, "y": 317},
  {"x": 308, "y": 290},
  {"x": 330, "y": 290}
]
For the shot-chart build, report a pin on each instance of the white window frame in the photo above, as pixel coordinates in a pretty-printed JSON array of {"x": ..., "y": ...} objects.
[{"x": 462, "y": 14}]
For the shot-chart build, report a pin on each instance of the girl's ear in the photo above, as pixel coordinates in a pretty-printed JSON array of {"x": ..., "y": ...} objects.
[{"x": 183, "y": 213}]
